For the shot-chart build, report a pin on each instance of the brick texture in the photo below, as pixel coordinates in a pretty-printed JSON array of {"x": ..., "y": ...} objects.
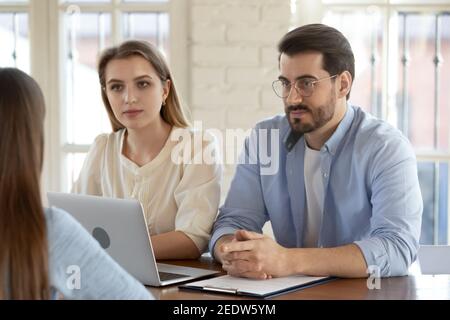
[{"x": 233, "y": 60}]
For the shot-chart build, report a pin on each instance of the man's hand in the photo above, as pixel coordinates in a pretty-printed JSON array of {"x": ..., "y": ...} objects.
[{"x": 253, "y": 255}]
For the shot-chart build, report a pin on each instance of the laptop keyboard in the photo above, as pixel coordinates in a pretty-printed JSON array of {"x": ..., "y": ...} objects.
[{"x": 164, "y": 276}]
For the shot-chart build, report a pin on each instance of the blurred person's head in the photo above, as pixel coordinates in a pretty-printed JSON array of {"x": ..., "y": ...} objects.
[
  {"x": 317, "y": 68},
  {"x": 23, "y": 232},
  {"x": 137, "y": 87}
]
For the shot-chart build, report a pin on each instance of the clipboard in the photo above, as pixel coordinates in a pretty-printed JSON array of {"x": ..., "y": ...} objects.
[{"x": 255, "y": 288}]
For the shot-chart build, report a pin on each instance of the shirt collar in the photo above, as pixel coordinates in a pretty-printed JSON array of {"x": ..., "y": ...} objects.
[
  {"x": 334, "y": 141},
  {"x": 291, "y": 139}
]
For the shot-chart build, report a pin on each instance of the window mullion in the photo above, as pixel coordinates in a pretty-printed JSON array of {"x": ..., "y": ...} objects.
[
  {"x": 43, "y": 18},
  {"x": 405, "y": 63},
  {"x": 14, "y": 8},
  {"x": 436, "y": 203},
  {"x": 385, "y": 60},
  {"x": 68, "y": 152},
  {"x": 448, "y": 206},
  {"x": 373, "y": 67},
  {"x": 15, "y": 25},
  {"x": 390, "y": 77},
  {"x": 437, "y": 60},
  {"x": 179, "y": 53},
  {"x": 116, "y": 23},
  {"x": 101, "y": 31}
]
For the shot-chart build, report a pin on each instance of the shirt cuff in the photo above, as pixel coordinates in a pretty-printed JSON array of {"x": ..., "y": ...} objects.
[
  {"x": 218, "y": 234},
  {"x": 375, "y": 254}
]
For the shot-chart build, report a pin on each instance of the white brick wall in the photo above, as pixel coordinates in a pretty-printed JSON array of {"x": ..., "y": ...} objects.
[
  {"x": 234, "y": 61},
  {"x": 225, "y": 55},
  {"x": 251, "y": 75},
  {"x": 225, "y": 11}
]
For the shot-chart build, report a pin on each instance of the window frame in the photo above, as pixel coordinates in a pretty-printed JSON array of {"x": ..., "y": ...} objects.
[
  {"x": 390, "y": 10},
  {"x": 47, "y": 46}
]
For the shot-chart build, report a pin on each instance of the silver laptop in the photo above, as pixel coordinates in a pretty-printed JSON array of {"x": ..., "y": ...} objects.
[
  {"x": 120, "y": 227},
  {"x": 434, "y": 259}
]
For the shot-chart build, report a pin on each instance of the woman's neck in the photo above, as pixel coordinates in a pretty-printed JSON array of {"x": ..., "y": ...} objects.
[{"x": 143, "y": 145}]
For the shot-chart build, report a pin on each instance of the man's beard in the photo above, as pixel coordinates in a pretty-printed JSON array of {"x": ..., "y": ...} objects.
[{"x": 320, "y": 116}]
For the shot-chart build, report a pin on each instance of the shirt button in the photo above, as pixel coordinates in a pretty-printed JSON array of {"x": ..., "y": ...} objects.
[{"x": 325, "y": 175}]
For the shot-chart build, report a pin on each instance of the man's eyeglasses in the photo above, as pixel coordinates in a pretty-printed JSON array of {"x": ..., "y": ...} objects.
[{"x": 304, "y": 86}]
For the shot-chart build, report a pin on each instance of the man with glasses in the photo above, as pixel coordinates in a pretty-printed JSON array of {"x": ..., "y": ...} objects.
[{"x": 346, "y": 197}]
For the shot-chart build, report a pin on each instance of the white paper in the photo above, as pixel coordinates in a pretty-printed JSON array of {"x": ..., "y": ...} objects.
[{"x": 253, "y": 286}]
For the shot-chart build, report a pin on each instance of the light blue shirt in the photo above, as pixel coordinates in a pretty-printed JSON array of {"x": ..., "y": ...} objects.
[{"x": 372, "y": 195}]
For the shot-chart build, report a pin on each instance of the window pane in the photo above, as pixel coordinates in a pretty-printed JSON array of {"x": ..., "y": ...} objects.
[
  {"x": 417, "y": 86},
  {"x": 433, "y": 180},
  {"x": 416, "y": 36},
  {"x": 74, "y": 164},
  {"x": 443, "y": 204},
  {"x": 15, "y": 42},
  {"x": 363, "y": 29},
  {"x": 152, "y": 27},
  {"x": 85, "y": 114},
  {"x": 87, "y": 33},
  {"x": 444, "y": 85}
]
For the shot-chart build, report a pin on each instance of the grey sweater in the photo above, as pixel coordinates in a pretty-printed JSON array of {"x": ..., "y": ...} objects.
[{"x": 80, "y": 269}]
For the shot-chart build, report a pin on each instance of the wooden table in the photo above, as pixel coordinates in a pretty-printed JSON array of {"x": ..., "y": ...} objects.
[{"x": 412, "y": 287}]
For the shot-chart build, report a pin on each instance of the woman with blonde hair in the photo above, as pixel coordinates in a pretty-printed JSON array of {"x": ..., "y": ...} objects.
[
  {"x": 180, "y": 200},
  {"x": 42, "y": 250}
]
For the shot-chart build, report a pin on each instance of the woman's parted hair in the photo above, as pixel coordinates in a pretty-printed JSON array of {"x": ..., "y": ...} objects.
[
  {"x": 23, "y": 228},
  {"x": 335, "y": 48},
  {"x": 172, "y": 112}
]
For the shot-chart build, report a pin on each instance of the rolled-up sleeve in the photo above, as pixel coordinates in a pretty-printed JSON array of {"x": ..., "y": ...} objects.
[
  {"x": 244, "y": 207},
  {"x": 397, "y": 209}
]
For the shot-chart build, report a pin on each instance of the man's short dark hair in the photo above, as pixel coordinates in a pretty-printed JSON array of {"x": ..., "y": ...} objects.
[{"x": 335, "y": 48}]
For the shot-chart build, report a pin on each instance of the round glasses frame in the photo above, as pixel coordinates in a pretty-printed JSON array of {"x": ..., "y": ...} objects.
[{"x": 303, "y": 87}]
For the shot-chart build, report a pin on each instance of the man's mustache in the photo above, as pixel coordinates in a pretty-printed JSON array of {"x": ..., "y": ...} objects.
[{"x": 298, "y": 107}]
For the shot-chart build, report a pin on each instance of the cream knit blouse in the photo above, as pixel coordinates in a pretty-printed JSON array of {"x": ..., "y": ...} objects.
[{"x": 181, "y": 197}]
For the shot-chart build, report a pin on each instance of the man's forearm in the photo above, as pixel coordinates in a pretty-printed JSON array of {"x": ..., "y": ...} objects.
[{"x": 345, "y": 261}]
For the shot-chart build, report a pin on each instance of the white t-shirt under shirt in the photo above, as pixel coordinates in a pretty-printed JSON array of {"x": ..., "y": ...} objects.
[
  {"x": 314, "y": 197},
  {"x": 181, "y": 197}
]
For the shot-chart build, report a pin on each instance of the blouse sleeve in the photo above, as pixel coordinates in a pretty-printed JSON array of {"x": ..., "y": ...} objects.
[
  {"x": 198, "y": 193},
  {"x": 89, "y": 179}
]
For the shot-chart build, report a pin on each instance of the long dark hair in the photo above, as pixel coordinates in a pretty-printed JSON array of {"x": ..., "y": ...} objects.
[
  {"x": 334, "y": 46},
  {"x": 23, "y": 231},
  {"x": 172, "y": 112}
]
